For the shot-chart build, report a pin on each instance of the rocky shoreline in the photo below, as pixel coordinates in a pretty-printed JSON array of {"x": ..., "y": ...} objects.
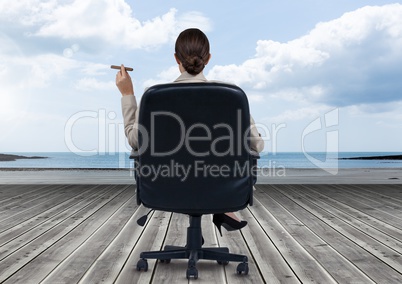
[
  {"x": 389, "y": 157},
  {"x": 12, "y": 158}
]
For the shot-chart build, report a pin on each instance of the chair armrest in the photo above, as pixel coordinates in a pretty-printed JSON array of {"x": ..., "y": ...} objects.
[
  {"x": 134, "y": 154},
  {"x": 254, "y": 154}
]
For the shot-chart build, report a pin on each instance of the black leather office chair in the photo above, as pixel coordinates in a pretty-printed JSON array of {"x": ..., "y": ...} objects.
[{"x": 202, "y": 128}]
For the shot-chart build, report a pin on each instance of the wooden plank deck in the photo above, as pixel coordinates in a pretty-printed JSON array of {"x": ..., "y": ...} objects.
[{"x": 296, "y": 234}]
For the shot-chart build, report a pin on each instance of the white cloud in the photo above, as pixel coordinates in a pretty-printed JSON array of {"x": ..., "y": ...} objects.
[
  {"x": 93, "y": 69},
  {"x": 389, "y": 110},
  {"x": 108, "y": 20},
  {"x": 111, "y": 22},
  {"x": 26, "y": 12},
  {"x": 35, "y": 71},
  {"x": 23, "y": 72},
  {"x": 166, "y": 76},
  {"x": 7, "y": 106},
  {"x": 299, "y": 114},
  {"x": 91, "y": 84},
  {"x": 257, "y": 98},
  {"x": 301, "y": 95},
  {"x": 350, "y": 60},
  {"x": 193, "y": 19}
]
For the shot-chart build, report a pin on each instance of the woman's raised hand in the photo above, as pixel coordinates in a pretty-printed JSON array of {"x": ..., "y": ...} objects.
[{"x": 124, "y": 83}]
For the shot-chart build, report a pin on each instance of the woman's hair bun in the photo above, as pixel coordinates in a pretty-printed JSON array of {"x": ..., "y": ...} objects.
[
  {"x": 192, "y": 49},
  {"x": 193, "y": 64}
]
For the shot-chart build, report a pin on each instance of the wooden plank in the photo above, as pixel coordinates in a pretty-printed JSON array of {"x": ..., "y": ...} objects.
[
  {"x": 10, "y": 192},
  {"x": 24, "y": 197},
  {"x": 387, "y": 235},
  {"x": 28, "y": 209},
  {"x": 28, "y": 201},
  {"x": 236, "y": 244},
  {"x": 359, "y": 257},
  {"x": 109, "y": 264},
  {"x": 389, "y": 230},
  {"x": 174, "y": 272},
  {"x": 151, "y": 239},
  {"x": 367, "y": 241},
  {"x": 270, "y": 262},
  {"x": 340, "y": 194},
  {"x": 390, "y": 190},
  {"x": 386, "y": 206},
  {"x": 73, "y": 268},
  {"x": 27, "y": 231},
  {"x": 34, "y": 261},
  {"x": 296, "y": 234},
  {"x": 281, "y": 232},
  {"x": 209, "y": 270},
  {"x": 387, "y": 192}
]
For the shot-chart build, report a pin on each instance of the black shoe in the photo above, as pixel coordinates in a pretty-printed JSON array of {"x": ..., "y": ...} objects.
[{"x": 227, "y": 222}]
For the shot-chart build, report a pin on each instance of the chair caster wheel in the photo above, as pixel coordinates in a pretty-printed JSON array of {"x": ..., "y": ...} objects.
[
  {"x": 165, "y": 261},
  {"x": 222, "y": 262},
  {"x": 242, "y": 268},
  {"x": 142, "y": 264},
  {"x": 192, "y": 272}
]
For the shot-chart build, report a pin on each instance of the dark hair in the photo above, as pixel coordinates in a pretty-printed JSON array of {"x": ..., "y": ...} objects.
[{"x": 192, "y": 49}]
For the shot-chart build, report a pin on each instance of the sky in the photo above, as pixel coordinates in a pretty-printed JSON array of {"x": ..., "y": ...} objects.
[{"x": 319, "y": 75}]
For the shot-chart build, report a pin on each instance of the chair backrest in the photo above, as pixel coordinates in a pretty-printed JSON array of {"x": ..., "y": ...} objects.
[{"x": 194, "y": 154}]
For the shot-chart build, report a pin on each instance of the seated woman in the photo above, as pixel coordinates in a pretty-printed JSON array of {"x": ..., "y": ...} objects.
[{"x": 191, "y": 54}]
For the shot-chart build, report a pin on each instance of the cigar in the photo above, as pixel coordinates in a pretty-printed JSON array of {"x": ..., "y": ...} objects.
[{"x": 118, "y": 67}]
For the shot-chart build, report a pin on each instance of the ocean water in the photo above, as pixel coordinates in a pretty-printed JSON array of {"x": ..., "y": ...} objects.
[{"x": 267, "y": 160}]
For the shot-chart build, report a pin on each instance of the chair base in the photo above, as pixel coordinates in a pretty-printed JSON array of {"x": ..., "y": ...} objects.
[{"x": 194, "y": 251}]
